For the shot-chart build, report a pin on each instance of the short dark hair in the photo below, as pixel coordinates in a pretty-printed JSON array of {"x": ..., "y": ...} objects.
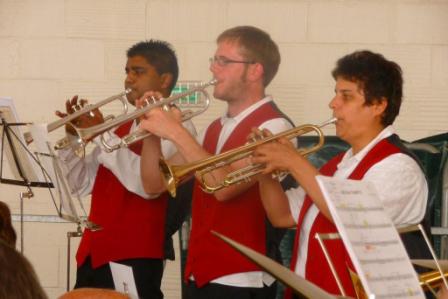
[
  {"x": 160, "y": 55},
  {"x": 378, "y": 77},
  {"x": 257, "y": 46}
]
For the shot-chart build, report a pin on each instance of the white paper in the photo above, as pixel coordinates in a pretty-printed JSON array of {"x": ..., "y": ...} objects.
[
  {"x": 370, "y": 238},
  {"x": 30, "y": 168},
  {"x": 123, "y": 279}
]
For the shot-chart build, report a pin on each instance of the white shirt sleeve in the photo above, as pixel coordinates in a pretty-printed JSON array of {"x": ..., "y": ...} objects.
[
  {"x": 80, "y": 173},
  {"x": 402, "y": 188},
  {"x": 123, "y": 163},
  {"x": 168, "y": 148},
  {"x": 278, "y": 125}
]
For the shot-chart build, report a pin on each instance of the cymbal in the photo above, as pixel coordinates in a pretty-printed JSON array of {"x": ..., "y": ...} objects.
[{"x": 283, "y": 274}]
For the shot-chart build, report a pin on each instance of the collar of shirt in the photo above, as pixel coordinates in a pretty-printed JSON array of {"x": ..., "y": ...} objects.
[
  {"x": 350, "y": 161},
  {"x": 245, "y": 112},
  {"x": 230, "y": 123}
]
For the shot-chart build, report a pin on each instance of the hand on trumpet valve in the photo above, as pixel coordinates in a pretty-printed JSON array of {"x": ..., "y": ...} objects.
[
  {"x": 86, "y": 120},
  {"x": 148, "y": 98},
  {"x": 276, "y": 156},
  {"x": 162, "y": 121},
  {"x": 257, "y": 134}
]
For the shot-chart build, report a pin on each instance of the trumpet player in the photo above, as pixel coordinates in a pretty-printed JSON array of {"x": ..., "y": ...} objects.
[
  {"x": 245, "y": 62},
  {"x": 132, "y": 222},
  {"x": 368, "y": 95}
]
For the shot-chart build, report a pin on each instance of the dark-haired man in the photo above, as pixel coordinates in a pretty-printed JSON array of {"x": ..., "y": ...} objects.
[
  {"x": 132, "y": 222},
  {"x": 367, "y": 99}
]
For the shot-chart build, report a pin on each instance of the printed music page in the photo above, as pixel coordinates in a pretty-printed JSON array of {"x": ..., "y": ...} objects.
[
  {"x": 30, "y": 168},
  {"x": 370, "y": 238}
]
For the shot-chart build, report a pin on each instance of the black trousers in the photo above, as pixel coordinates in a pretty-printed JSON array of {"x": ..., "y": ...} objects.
[
  {"x": 219, "y": 291},
  {"x": 147, "y": 274}
]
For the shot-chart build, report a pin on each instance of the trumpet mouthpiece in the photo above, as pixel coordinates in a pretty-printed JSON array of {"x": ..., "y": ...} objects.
[
  {"x": 213, "y": 81},
  {"x": 329, "y": 122}
]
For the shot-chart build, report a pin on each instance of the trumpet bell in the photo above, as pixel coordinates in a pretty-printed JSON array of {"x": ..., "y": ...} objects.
[{"x": 168, "y": 177}]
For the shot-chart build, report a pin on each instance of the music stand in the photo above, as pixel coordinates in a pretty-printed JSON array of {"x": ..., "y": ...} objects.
[
  {"x": 66, "y": 208},
  {"x": 57, "y": 173},
  {"x": 23, "y": 166}
]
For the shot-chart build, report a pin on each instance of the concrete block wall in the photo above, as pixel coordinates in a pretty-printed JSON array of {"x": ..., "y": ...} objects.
[{"x": 53, "y": 49}]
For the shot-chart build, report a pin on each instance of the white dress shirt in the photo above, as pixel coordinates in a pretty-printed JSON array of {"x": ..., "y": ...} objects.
[
  {"x": 400, "y": 184},
  {"x": 123, "y": 163}
]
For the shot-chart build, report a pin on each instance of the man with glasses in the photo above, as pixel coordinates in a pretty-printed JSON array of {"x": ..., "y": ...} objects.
[{"x": 245, "y": 62}]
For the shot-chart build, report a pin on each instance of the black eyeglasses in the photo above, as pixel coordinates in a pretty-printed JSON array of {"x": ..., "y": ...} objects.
[{"x": 223, "y": 61}]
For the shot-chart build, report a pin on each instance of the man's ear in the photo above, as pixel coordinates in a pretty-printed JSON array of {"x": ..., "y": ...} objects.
[
  {"x": 256, "y": 71},
  {"x": 165, "y": 80},
  {"x": 380, "y": 106}
]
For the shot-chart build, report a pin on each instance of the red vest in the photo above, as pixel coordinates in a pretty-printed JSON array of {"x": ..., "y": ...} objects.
[
  {"x": 242, "y": 218},
  {"x": 317, "y": 269},
  {"x": 132, "y": 227}
]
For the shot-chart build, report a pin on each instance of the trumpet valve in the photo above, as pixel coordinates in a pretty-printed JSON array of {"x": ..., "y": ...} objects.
[{"x": 62, "y": 143}]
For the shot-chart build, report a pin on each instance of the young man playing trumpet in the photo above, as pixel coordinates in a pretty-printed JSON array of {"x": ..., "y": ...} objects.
[
  {"x": 132, "y": 222},
  {"x": 245, "y": 62},
  {"x": 367, "y": 99}
]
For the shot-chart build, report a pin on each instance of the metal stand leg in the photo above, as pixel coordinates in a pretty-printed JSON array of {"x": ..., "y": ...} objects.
[
  {"x": 444, "y": 213},
  {"x": 330, "y": 236},
  {"x": 23, "y": 195},
  {"x": 70, "y": 235}
]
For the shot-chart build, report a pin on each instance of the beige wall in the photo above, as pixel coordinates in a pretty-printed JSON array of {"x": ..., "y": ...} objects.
[{"x": 53, "y": 49}]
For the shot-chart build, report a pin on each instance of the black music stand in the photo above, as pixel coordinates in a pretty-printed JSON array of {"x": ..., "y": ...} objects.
[{"x": 19, "y": 157}]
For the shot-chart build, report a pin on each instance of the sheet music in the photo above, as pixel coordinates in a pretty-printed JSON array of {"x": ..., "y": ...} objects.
[
  {"x": 371, "y": 239},
  {"x": 30, "y": 168}
]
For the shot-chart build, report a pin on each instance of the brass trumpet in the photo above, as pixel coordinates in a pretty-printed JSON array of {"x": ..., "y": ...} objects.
[
  {"x": 84, "y": 135},
  {"x": 431, "y": 280},
  {"x": 173, "y": 174}
]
